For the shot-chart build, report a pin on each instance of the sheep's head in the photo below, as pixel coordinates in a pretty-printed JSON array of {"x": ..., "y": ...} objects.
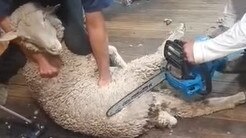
[{"x": 35, "y": 31}]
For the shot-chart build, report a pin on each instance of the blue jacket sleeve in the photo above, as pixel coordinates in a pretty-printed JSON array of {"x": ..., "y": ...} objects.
[{"x": 5, "y": 7}]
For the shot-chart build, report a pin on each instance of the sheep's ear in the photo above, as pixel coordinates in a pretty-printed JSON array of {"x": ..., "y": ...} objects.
[
  {"x": 50, "y": 10},
  {"x": 8, "y": 36}
]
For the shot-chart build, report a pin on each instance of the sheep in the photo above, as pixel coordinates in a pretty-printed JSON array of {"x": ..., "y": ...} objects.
[{"x": 75, "y": 101}]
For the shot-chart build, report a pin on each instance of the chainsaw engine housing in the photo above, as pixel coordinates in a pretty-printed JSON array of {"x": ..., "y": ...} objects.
[{"x": 191, "y": 81}]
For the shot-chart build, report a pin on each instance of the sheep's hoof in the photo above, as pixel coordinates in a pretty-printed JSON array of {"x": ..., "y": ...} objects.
[
  {"x": 112, "y": 49},
  {"x": 113, "y": 69},
  {"x": 165, "y": 119}
]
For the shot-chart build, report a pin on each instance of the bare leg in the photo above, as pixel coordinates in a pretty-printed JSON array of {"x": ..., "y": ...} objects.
[{"x": 99, "y": 42}]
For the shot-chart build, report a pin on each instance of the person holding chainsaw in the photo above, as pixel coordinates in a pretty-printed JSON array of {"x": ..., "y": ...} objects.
[
  {"x": 232, "y": 40},
  {"x": 233, "y": 12},
  {"x": 93, "y": 38}
]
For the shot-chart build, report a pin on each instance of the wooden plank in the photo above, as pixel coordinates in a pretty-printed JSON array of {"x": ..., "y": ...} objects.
[
  {"x": 152, "y": 11},
  {"x": 19, "y": 91},
  {"x": 151, "y": 29},
  {"x": 203, "y": 128},
  {"x": 18, "y": 80},
  {"x": 236, "y": 114}
]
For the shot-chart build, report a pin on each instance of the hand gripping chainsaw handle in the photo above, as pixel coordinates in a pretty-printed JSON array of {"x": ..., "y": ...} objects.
[
  {"x": 191, "y": 81},
  {"x": 173, "y": 52}
]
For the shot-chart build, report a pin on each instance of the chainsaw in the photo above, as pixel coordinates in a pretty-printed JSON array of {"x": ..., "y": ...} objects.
[{"x": 191, "y": 82}]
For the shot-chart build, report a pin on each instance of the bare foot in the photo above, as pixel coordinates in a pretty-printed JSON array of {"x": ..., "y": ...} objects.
[
  {"x": 49, "y": 66},
  {"x": 46, "y": 70}
]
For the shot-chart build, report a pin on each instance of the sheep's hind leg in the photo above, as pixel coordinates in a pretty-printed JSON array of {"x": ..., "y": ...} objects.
[
  {"x": 115, "y": 57},
  {"x": 221, "y": 103},
  {"x": 212, "y": 105},
  {"x": 165, "y": 119}
]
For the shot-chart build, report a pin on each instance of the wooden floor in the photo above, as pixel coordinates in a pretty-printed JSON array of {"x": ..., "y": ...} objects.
[{"x": 136, "y": 31}]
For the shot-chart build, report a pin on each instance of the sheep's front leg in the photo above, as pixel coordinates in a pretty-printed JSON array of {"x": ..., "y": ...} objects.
[{"x": 115, "y": 57}]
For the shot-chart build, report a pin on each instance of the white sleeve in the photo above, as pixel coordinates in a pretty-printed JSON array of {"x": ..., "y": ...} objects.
[{"x": 229, "y": 42}]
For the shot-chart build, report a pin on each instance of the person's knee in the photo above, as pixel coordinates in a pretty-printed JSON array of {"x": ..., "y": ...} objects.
[
  {"x": 71, "y": 11},
  {"x": 77, "y": 40},
  {"x": 11, "y": 61},
  {"x": 14, "y": 56},
  {"x": 78, "y": 48}
]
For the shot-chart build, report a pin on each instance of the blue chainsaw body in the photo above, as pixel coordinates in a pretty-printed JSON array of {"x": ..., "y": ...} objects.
[
  {"x": 193, "y": 81},
  {"x": 199, "y": 83},
  {"x": 188, "y": 88}
]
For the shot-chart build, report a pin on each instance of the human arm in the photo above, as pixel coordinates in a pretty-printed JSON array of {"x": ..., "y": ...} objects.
[
  {"x": 95, "y": 25},
  {"x": 230, "y": 41},
  {"x": 99, "y": 43},
  {"x": 5, "y": 24}
]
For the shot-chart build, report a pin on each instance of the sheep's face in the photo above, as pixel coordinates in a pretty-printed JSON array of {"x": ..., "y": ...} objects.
[
  {"x": 36, "y": 32},
  {"x": 36, "y": 29}
]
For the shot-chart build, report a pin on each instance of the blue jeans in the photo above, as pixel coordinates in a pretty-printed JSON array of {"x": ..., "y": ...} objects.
[{"x": 75, "y": 36}]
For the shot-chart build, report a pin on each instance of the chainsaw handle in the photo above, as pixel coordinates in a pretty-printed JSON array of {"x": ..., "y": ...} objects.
[{"x": 174, "y": 54}]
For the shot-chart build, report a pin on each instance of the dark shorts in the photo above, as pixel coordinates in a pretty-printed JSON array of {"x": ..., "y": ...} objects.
[
  {"x": 95, "y": 5},
  {"x": 8, "y": 6}
]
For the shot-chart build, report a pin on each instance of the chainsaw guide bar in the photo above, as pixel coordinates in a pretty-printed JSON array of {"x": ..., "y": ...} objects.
[{"x": 129, "y": 98}]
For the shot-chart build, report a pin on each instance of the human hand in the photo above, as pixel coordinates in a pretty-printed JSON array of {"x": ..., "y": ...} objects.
[
  {"x": 188, "y": 51},
  {"x": 104, "y": 81}
]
